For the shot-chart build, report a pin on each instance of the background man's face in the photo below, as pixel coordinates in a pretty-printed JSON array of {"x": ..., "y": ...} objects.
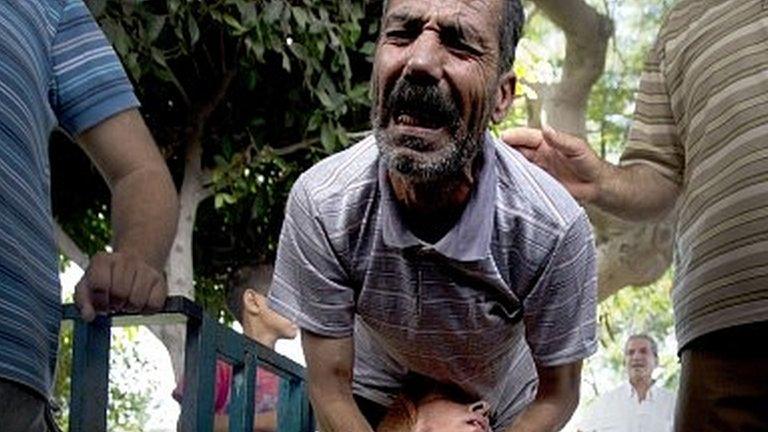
[
  {"x": 639, "y": 358},
  {"x": 435, "y": 81}
]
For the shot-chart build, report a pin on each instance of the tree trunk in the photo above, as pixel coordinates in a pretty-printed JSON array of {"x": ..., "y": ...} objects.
[
  {"x": 628, "y": 253},
  {"x": 180, "y": 269},
  {"x": 69, "y": 248}
]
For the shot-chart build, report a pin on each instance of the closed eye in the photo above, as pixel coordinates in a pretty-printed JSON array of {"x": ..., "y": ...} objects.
[{"x": 452, "y": 38}]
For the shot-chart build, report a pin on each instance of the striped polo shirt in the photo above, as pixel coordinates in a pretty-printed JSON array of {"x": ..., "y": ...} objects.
[
  {"x": 511, "y": 285},
  {"x": 702, "y": 121},
  {"x": 55, "y": 68}
]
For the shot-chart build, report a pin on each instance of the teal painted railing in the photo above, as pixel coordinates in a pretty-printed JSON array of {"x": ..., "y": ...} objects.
[{"x": 207, "y": 340}]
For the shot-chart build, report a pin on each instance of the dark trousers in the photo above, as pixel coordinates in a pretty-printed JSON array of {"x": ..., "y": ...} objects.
[
  {"x": 23, "y": 410},
  {"x": 724, "y": 382}
]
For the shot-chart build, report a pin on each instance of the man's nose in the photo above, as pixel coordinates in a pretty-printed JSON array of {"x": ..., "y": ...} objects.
[{"x": 425, "y": 61}]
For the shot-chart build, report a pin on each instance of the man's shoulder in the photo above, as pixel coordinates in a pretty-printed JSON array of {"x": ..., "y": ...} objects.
[
  {"x": 664, "y": 392},
  {"x": 527, "y": 190},
  {"x": 342, "y": 176}
]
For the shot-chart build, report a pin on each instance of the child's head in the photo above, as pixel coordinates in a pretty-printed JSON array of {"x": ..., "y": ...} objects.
[
  {"x": 247, "y": 301},
  {"x": 424, "y": 407}
]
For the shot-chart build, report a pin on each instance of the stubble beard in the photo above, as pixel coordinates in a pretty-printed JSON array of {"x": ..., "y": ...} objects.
[{"x": 406, "y": 155}]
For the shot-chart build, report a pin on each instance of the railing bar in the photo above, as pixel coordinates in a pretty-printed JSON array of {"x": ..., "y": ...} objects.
[
  {"x": 243, "y": 394},
  {"x": 205, "y": 338},
  {"x": 90, "y": 375}
]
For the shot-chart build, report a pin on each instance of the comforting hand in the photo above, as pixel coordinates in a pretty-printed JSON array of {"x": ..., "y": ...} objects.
[
  {"x": 567, "y": 158},
  {"x": 119, "y": 282}
]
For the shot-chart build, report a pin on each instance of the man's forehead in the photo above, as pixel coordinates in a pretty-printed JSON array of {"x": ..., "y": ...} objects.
[
  {"x": 452, "y": 10},
  {"x": 637, "y": 343}
]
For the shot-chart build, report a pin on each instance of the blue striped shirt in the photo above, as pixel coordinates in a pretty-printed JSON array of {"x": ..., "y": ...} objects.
[
  {"x": 510, "y": 286},
  {"x": 56, "y": 68}
]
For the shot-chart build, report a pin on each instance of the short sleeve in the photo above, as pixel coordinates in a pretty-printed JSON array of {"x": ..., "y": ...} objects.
[
  {"x": 559, "y": 313},
  {"x": 653, "y": 137},
  {"x": 310, "y": 285},
  {"x": 89, "y": 84}
]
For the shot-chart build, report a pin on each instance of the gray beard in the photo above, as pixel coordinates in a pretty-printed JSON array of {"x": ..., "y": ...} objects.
[{"x": 426, "y": 168}]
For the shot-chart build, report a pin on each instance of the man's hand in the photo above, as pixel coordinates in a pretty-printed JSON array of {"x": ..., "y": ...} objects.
[
  {"x": 117, "y": 282},
  {"x": 634, "y": 192},
  {"x": 567, "y": 158}
]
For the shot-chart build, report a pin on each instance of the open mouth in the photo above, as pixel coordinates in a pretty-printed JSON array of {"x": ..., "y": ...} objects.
[{"x": 419, "y": 119}]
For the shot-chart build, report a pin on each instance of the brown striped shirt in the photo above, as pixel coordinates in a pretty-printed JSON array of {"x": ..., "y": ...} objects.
[{"x": 702, "y": 121}]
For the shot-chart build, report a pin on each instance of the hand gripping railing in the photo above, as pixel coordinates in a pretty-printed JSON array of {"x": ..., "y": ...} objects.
[{"x": 206, "y": 340}]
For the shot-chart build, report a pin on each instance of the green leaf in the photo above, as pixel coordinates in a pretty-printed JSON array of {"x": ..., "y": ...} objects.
[
  {"x": 155, "y": 27},
  {"x": 322, "y": 95},
  {"x": 327, "y": 137},
  {"x": 300, "y": 16},
  {"x": 273, "y": 11},
  {"x": 286, "y": 62},
  {"x": 234, "y": 23},
  {"x": 194, "y": 31}
]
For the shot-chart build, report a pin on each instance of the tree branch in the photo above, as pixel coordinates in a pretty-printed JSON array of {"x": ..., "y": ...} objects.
[{"x": 305, "y": 144}]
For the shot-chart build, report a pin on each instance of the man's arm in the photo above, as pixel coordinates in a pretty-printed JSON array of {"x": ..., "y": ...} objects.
[
  {"x": 556, "y": 400},
  {"x": 329, "y": 371},
  {"x": 144, "y": 216},
  {"x": 635, "y": 192}
]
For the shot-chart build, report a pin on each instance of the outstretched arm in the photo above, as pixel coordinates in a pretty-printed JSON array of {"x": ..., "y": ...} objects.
[
  {"x": 329, "y": 370},
  {"x": 635, "y": 192},
  {"x": 144, "y": 216}
]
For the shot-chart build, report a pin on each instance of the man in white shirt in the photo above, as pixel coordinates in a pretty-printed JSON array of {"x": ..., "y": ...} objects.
[{"x": 637, "y": 406}]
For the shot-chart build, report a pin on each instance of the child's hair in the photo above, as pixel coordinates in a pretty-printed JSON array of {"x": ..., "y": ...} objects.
[
  {"x": 257, "y": 278},
  {"x": 402, "y": 414}
]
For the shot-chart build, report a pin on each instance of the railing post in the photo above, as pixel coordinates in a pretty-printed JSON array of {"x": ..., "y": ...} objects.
[
  {"x": 294, "y": 413},
  {"x": 90, "y": 375},
  {"x": 241, "y": 413},
  {"x": 199, "y": 375}
]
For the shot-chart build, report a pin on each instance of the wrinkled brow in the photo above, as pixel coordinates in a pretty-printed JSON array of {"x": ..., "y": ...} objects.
[{"x": 453, "y": 25}]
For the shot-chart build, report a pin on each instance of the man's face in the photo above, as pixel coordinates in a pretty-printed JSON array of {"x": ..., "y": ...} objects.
[
  {"x": 639, "y": 358},
  {"x": 435, "y": 84}
]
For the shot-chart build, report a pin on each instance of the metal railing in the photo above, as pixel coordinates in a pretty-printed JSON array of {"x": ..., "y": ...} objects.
[{"x": 206, "y": 341}]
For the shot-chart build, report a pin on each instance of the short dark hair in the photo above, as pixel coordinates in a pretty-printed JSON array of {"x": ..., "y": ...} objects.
[
  {"x": 257, "y": 278},
  {"x": 510, "y": 32},
  {"x": 645, "y": 336}
]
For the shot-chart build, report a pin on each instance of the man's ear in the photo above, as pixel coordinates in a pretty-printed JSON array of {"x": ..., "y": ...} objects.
[
  {"x": 505, "y": 95},
  {"x": 251, "y": 303}
]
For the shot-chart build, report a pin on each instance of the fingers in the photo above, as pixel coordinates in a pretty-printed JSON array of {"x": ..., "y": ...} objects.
[
  {"x": 92, "y": 292},
  {"x": 522, "y": 138},
  {"x": 119, "y": 283},
  {"x": 568, "y": 145}
]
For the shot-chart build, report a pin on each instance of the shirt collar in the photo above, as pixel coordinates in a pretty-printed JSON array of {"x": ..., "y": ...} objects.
[{"x": 470, "y": 238}]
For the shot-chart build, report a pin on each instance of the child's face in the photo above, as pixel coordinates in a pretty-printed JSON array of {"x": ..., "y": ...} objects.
[
  {"x": 280, "y": 325},
  {"x": 440, "y": 414}
]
